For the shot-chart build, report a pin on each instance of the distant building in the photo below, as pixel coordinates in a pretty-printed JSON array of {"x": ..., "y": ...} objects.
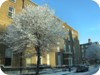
[
  {"x": 66, "y": 53},
  {"x": 83, "y": 48}
]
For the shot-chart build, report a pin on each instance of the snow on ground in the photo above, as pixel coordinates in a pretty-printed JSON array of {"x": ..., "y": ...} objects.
[
  {"x": 91, "y": 71},
  {"x": 2, "y": 73},
  {"x": 98, "y": 72}
]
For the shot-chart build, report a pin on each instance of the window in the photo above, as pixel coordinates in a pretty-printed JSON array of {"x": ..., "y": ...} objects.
[
  {"x": 69, "y": 48},
  {"x": 70, "y": 61},
  {"x": 58, "y": 49},
  {"x": 68, "y": 30},
  {"x": 86, "y": 46},
  {"x": 65, "y": 47},
  {"x": 74, "y": 49},
  {"x": 8, "y": 53},
  {"x": 83, "y": 56},
  {"x": 82, "y": 46},
  {"x": 28, "y": 61},
  {"x": 11, "y": 12},
  {"x": 73, "y": 39},
  {"x": 41, "y": 60},
  {"x": 13, "y": 1},
  {"x": 82, "y": 50},
  {"x": 8, "y": 56},
  {"x": 72, "y": 32},
  {"x": 48, "y": 59},
  {"x": 68, "y": 37}
]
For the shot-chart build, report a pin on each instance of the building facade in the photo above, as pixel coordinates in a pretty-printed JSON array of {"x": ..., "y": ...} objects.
[
  {"x": 71, "y": 46},
  {"x": 83, "y": 48},
  {"x": 66, "y": 53}
]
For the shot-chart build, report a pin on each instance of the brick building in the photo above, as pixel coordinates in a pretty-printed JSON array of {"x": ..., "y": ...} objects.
[{"x": 66, "y": 53}]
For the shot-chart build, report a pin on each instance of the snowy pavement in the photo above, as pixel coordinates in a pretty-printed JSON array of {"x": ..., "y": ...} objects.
[{"x": 91, "y": 71}]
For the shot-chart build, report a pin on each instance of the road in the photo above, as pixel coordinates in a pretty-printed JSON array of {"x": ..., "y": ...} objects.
[{"x": 90, "y": 72}]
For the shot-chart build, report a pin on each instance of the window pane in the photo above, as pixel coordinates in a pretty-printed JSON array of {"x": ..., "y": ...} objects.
[
  {"x": 8, "y": 53},
  {"x": 28, "y": 61},
  {"x": 69, "y": 48},
  {"x": 64, "y": 47},
  {"x": 11, "y": 9},
  {"x": 10, "y": 14}
]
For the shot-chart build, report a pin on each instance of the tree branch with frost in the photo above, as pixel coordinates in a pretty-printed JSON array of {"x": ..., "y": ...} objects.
[
  {"x": 93, "y": 53},
  {"x": 35, "y": 27}
]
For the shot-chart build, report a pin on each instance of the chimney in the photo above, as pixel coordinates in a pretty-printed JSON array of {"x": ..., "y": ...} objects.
[{"x": 89, "y": 40}]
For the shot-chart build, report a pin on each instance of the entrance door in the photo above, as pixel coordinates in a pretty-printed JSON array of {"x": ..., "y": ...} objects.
[
  {"x": 7, "y": 61},
  {"x": 8, "y": 56},
  {"x": 59, "y": 59}
]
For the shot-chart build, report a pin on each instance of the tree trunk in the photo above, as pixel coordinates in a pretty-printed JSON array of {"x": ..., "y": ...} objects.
[{"x": 38, "y": 60}]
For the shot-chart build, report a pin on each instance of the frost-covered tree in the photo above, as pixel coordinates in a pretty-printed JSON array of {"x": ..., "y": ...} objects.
[
  {"x": 35, "y": 27},
  {"x": 93, "y": 53}
]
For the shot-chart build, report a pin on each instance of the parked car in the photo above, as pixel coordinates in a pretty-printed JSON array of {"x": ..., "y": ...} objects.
[{"x": 82, "y": 68}]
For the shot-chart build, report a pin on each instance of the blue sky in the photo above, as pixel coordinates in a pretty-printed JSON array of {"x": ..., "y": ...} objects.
[{"x": 82, "y": 15}]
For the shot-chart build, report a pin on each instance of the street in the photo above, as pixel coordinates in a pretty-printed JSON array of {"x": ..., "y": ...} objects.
[{"x": 92, "y": 70}]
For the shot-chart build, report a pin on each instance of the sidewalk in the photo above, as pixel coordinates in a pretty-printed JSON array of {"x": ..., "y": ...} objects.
[
  {"x": 59, "y": 72},
  {"x": 91, "y": 71}
]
